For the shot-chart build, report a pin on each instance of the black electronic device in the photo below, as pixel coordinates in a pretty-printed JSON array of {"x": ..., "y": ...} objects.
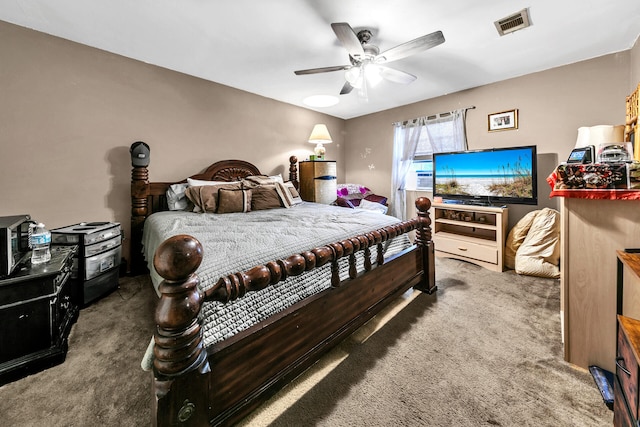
[
  {"x": 140, "y": 154},
  {"x": 14, "y": 242},
  {"x": 582, "y": 155}
]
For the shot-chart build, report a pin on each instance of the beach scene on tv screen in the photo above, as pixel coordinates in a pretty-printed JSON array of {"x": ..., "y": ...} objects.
[{"x": 501, "y": 173}]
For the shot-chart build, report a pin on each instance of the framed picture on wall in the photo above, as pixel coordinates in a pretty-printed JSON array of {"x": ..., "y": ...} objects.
[{"x": 506, "y": 120}]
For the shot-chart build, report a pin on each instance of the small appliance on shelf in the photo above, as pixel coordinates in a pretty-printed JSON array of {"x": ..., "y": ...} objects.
[
  {"x": 14, "y": 242},
  {"x": 96, "y": 266}
]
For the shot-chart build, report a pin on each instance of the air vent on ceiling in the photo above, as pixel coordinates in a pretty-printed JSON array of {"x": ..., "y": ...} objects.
[{"x": 514, "y": 22}]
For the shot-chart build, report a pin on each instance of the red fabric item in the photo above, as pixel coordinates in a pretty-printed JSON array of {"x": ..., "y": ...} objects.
[{"x": 591, "y": 193}]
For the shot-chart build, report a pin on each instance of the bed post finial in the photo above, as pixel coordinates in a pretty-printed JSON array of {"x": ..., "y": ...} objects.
[
  {"x": 139, "y": 209},
  {"x": 425, "y": 244},
  {"x": 176, "y": 260},
  {"x": 293, "y": 171}
]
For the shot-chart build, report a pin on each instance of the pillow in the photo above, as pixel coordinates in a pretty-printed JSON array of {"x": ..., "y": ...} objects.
[
  {"x": 265, "y": 197},
  {"x": 372, "y": 206},
  {"x": 230, "y": 201},
  {"x": 288, "y": 194},
  {"x": 375, "y": 198},
  {"x": 345, "y": 203},
  {"x": 176, "y": 198},
  {"x": 199, "y": 182},
  {"x": 265, "y": 179},
  {"x": 205, "y": 197},
  {"x": 349, "y": 189}
]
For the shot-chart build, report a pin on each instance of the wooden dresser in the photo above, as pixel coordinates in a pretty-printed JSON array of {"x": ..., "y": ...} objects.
[
  {"x": 626, "y": 394},
  {"x": 318, "y": 181}
]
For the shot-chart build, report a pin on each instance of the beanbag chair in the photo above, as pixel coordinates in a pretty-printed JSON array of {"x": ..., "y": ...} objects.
[{"x": 539, "y": 252}]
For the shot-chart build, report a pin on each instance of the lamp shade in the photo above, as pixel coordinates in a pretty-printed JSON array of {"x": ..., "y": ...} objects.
[
  {"x": 320, "y": 134},
  {"x": 601, "y": 134}
]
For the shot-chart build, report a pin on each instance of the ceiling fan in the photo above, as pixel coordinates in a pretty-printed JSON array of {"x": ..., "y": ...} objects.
[{"x": 367, "y": 61}]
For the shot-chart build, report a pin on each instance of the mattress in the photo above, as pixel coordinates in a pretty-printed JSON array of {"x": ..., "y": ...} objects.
[{"x": 239, "y": 241}]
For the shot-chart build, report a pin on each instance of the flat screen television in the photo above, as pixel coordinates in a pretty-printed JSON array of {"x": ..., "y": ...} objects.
[{"x": 496, "y": 176}]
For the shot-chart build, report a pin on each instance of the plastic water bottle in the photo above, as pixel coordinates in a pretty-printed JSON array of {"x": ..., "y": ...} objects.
[{"x": 40, "y": 241}]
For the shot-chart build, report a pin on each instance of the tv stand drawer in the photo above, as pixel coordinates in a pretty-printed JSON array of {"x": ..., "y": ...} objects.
[{"x": 466, "y": 249}]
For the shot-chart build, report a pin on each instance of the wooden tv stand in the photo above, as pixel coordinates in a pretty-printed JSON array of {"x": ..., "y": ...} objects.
[{"x": 470, "y": 233}]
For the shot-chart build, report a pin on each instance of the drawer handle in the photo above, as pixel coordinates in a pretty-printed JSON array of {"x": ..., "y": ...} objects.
[
  {"x": 462, "y": 249},
  {"x": 622, "y": 368}
]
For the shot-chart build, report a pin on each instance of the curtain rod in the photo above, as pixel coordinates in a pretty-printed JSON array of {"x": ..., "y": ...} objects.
[{"x": 446, "y": 113}]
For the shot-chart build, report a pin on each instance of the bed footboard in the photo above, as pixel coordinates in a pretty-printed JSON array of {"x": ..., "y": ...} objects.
[{"x": 220, "y": 385}]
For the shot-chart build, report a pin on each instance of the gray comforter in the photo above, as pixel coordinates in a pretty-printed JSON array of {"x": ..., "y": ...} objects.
[{"x": 239, "y": 241}]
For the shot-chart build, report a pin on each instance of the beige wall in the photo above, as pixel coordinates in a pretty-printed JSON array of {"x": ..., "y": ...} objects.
[
  {"x": 552, "y": 105},
  {"x": 69, "y": 113}
]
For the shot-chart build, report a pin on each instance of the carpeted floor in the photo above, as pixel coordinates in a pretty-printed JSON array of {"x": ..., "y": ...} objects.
[{"x": 484, "y": 350}]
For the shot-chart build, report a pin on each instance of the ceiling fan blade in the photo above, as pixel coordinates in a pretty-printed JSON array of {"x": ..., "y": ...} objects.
[
  {"x": 411, "y": 47},
  {"x": 396, "y": 76},
  {"x": 347, "y": 88},
  {"x": 348, "y": 38},
  {"x": 322, "y": 69}
]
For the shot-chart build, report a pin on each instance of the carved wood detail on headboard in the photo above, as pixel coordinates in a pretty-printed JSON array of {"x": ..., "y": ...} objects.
[{"x": 228, "y": 170}]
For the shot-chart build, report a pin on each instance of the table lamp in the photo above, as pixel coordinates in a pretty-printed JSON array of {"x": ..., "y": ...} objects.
[{"x": 319, "y": 135}]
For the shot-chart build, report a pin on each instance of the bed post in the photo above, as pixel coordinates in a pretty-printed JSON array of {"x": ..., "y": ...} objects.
[
  {"x": 139, "y": 212},
  {"x": 293, "y": 171},
  {"x": 180, "y": 358},
  {"x": 425, "y": 245}
]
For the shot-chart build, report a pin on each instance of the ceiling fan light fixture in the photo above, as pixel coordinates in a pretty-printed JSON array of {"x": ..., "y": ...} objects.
[
  {"x": 352, "y": 75},
  {"x": 372, "y": 74}
]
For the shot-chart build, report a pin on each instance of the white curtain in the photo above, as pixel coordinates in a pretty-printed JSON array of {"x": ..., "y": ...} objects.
[
  {"x": 446, "y": 132},
  {"x": 424, "y": 136},
  {"x": 405, "y": 140}
]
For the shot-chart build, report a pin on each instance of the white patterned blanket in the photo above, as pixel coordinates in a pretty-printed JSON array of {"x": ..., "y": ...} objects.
[{"x": 239, "y": 241}]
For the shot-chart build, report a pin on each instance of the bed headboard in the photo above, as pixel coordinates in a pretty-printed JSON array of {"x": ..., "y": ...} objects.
[{"x": 149, "y": 197}]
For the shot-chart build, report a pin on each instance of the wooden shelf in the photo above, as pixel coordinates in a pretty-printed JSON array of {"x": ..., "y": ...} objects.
[{"x": 471, "y": 233}]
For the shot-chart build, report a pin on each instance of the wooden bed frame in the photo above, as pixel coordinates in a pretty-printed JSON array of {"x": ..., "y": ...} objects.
[{"x": 220, "y": 385}]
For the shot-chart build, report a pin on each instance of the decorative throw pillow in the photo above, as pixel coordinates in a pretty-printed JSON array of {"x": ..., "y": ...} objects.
[
  {"x": 345, "y": 203},
  {"x": 230, "y": 201},
  {"x": 205, "y": 197},
  {"x": 349, "y": 189},
  {"x": 265, "y": 197},
  {"x": 288, "y": 193}
]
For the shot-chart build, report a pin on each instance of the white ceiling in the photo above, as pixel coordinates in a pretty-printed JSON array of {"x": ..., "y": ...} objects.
[{"x": 256, "y": 45}]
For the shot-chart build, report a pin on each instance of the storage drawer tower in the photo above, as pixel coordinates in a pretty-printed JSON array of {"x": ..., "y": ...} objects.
[{"x": 96, "y": 266}]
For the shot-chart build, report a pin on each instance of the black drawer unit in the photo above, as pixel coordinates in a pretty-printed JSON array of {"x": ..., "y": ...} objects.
[
  {"x": 96, "y": 266},
  {"x": 37, "y": 311}
]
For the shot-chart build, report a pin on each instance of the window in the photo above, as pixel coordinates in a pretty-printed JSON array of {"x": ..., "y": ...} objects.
[{"x": 414, "y": 143}]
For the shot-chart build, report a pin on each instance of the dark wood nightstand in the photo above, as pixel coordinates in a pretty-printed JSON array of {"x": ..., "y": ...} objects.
[{"x": 37, "y": 311}]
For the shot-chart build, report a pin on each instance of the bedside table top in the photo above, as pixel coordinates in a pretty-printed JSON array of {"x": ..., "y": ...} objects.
[{"x": 59, "y": 258}]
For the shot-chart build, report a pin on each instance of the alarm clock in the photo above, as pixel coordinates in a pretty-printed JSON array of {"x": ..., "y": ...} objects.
[{"x": 582, "y": 155}]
